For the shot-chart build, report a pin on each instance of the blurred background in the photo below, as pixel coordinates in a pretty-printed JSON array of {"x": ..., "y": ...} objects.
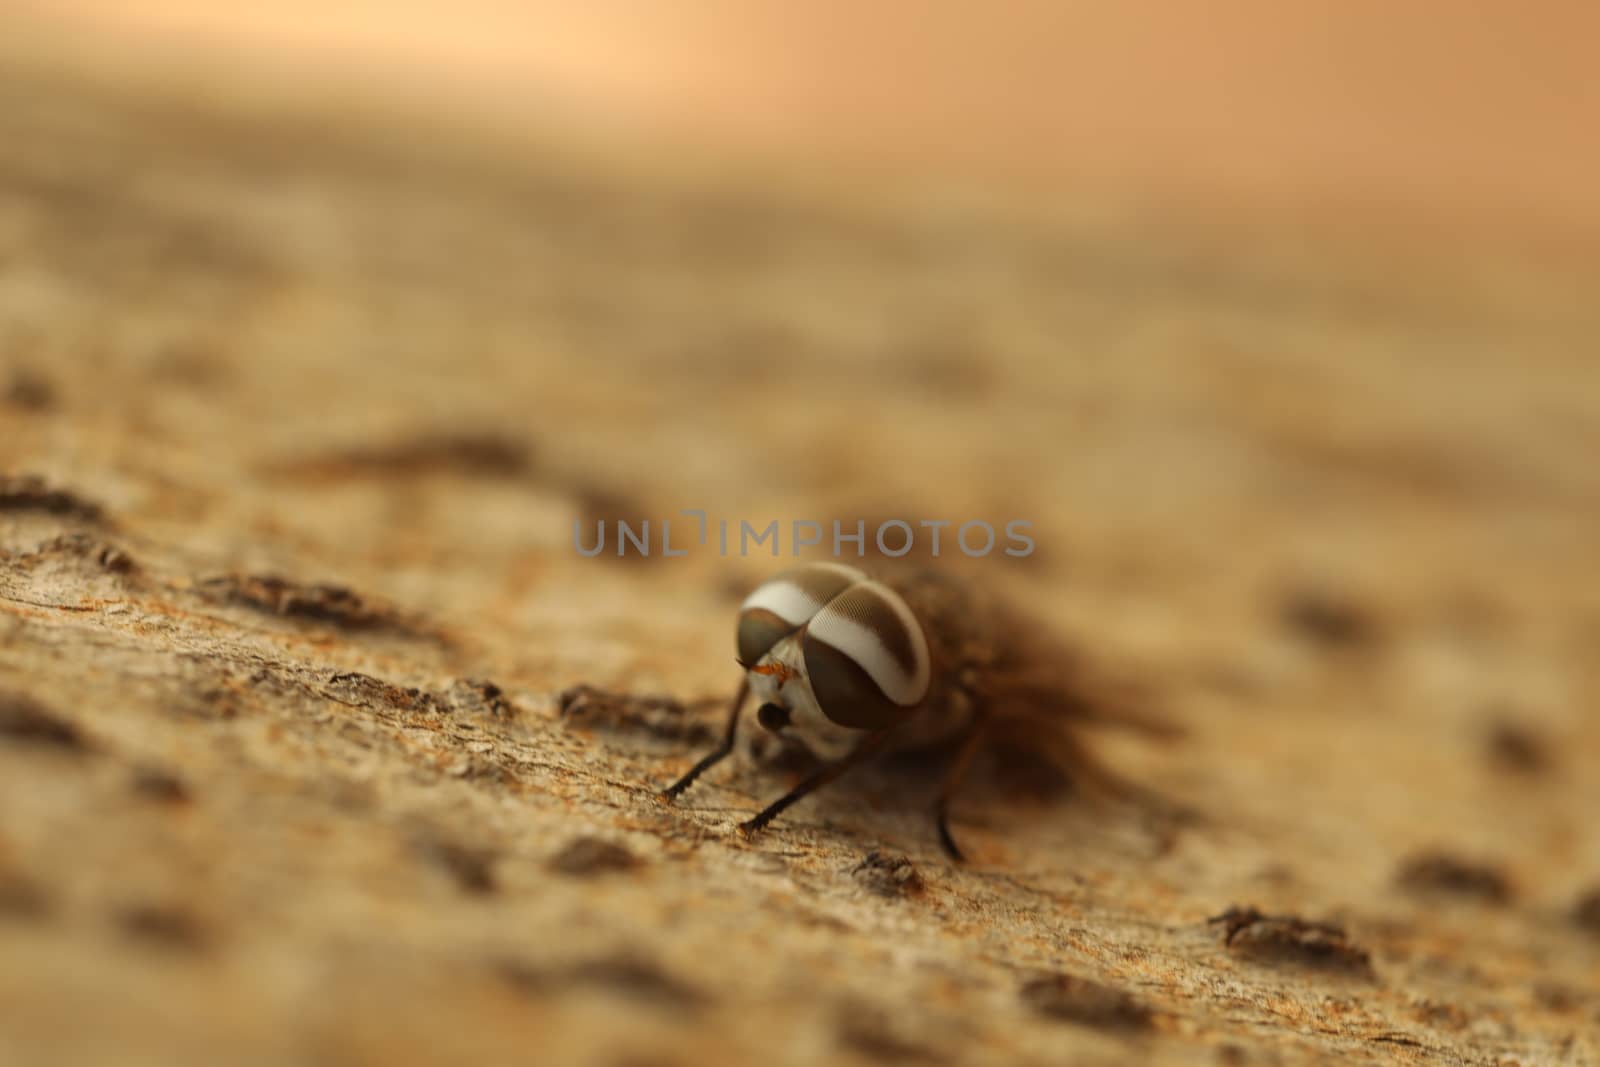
[
  {"x": 1413, "y": 113},
  {"x": 321, "y": 324}
]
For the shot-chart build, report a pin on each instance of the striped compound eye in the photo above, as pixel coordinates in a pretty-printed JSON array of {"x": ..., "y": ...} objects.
[
  {"x": 780, "y": 606},
  {"x": 850, "y": 640}
]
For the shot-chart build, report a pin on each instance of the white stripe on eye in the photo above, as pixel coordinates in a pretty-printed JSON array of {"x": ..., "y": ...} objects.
[
  {"x": 790, "y": 601},
  {"x": 870, "y": 653},
  {"x": 785, "y": 600}
]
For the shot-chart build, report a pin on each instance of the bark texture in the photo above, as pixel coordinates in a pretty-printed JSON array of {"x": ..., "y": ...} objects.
[{"x": 298, "y": 412}]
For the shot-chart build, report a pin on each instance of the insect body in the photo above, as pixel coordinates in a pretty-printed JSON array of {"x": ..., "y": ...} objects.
[{"x": 849, "y": 667}]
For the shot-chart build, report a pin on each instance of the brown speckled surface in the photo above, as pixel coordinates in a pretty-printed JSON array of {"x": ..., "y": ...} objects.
[{"x": 283, "y": 776}]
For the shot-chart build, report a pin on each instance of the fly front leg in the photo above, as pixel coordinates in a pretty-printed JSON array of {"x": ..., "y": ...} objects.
[
  {"x": 866, "y": 747},
  {"x": 716, "y": 755}
]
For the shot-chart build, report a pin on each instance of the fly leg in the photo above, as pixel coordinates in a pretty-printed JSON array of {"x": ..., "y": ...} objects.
[
  {"x": 867, "y": 746},
  {"x": 716, "y": 755},
  {"x": 953, "y": 778}
]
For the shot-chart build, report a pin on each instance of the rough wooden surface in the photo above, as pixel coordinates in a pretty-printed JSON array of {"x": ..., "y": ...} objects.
[{"x": 297, "y": 415}]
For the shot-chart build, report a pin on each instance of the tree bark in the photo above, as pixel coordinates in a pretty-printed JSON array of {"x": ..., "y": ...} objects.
[{"x": 299, "y": 412}]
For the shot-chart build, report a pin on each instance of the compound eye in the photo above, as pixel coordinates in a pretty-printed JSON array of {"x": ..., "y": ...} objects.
[
  {"x": 867, "y": 658},
  {"x": 759, "y": 630},
  {"x": 781, "y": 605}
]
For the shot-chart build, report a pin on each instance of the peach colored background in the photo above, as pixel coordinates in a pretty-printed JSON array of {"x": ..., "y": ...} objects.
[{"x": 1457, "y": 113}]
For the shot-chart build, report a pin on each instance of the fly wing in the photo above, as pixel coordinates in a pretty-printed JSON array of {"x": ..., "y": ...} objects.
[{"x": 1034, "y": 690}]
